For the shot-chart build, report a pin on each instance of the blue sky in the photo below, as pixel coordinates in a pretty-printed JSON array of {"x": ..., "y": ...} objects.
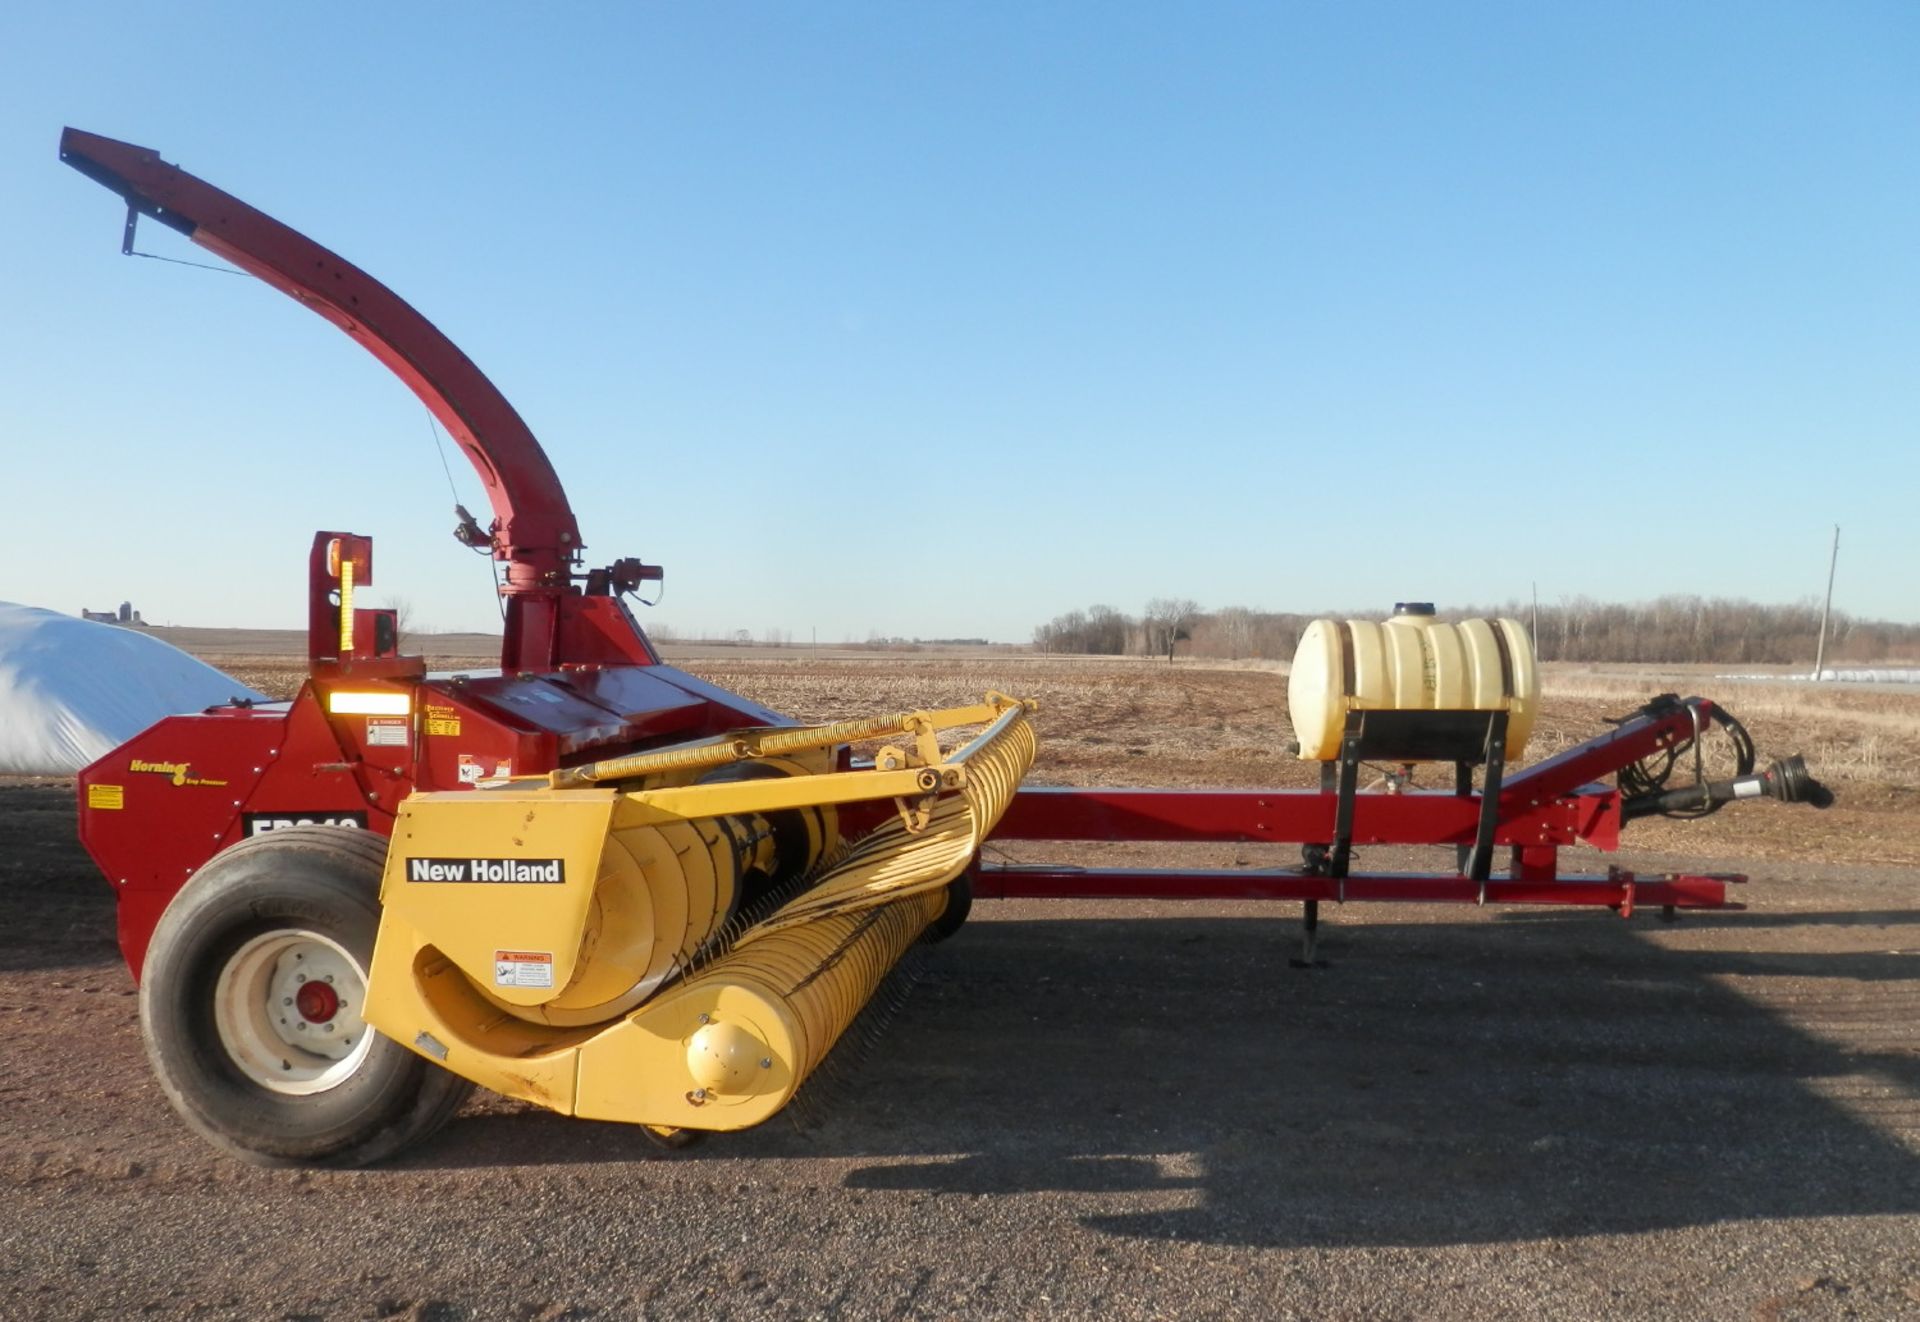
[{"x": 940, "y": 319}]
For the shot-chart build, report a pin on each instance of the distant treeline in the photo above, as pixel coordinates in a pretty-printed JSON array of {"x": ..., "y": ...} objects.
[
  {"x": 661, "y": 632},
  {"x": 1671, "y": 629}
]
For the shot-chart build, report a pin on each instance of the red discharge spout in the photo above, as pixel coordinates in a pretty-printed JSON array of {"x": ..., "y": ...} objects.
[{"x": 533, "y": 531}]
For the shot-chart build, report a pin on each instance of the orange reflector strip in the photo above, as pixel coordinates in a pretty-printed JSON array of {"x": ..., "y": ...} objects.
[{"x": 346, "y": 607}]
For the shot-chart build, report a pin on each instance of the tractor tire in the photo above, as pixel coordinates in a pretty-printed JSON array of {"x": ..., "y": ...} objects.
[
  {"x": 954, "y": 916},
  {"x": 250, "y": 1005}
]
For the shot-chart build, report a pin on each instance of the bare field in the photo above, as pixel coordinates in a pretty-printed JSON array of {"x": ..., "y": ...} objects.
[{"x": 1114, "y": 1110}]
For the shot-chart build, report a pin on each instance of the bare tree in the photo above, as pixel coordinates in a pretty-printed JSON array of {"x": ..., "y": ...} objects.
[
  {"x": 1675, "y": 628},
  {"x": 1107, "y": 630},
  {"x": 1227, "y": 632},
  {"x": 1169, "y": 620},
  {"x": 406, "y": 622}
]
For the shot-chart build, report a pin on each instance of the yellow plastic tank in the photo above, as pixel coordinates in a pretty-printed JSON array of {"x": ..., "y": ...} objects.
[{"x": 1411, "y": 662}]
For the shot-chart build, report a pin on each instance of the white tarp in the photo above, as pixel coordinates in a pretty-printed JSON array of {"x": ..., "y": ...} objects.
[
  {"x": 71, "y": 690},
  {"x": 1868, "y": 675}
]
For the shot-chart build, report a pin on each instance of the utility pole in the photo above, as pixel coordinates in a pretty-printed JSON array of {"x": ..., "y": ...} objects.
[{"x": 1820, "y": 651}]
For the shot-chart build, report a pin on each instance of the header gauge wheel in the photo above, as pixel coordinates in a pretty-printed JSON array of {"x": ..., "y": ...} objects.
[{"x": 954, "y": 916}]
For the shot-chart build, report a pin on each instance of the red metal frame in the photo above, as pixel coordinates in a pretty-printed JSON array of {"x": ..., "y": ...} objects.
[
  {"x": 1549, "y": 805},
  {"x": 580, "y": 680},
  {"x": 1618, "y": 890},
  {"x": 1248, "y": 817}
]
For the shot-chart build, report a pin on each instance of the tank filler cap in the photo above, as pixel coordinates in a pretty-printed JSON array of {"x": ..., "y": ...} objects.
[{"x": 1413, "y": 608}]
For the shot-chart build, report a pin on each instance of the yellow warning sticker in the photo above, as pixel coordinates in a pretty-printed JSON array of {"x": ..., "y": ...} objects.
[
  {"x": 442, "y": 720},
  {"x": 108, "y": 798},
  {"x": 523, "y": 968}
]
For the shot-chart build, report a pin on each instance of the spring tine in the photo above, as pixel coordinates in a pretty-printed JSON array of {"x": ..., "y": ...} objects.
[
  {"x": 890, "y": 862},
  {"x": 831, "y": 1086},
  {"x": 828, "y": 937}
]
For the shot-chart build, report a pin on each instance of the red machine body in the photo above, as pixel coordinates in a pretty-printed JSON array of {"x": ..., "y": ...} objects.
[
  {"x": 579, "y": 680},
  {"x": 364, "y": 730}
]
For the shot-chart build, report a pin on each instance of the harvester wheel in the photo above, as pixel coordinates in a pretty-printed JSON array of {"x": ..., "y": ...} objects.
[
  {"x": 251, "y": 1002},
  {"x": 954, "y": 916},
  {"x": 672, "y": 1137}
]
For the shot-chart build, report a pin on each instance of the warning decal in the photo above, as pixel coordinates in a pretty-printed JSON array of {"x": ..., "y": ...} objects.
[
  {"x": 522, "y": 968},
  {"x": 107, "y": 797},
  {"x": 387, "y": 731}
]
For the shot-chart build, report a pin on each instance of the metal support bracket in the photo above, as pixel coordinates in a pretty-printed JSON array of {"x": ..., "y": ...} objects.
[
  {"x": 1309, "y": 938},
  {"x": 1479, "y": 865},
  {"x": 1465, "y": 738}
]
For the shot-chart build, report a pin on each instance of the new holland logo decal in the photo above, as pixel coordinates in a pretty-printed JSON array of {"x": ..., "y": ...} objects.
[{"x": 508, "y": 871}]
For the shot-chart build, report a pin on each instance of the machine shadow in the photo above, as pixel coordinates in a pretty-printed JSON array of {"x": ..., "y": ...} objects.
[
  {"x": 1441, "y": 1083},
  {"x": 1755, "y": 920},
  {"x": 1500, "y": 1076},
  {"x": 56, "y": 910}
]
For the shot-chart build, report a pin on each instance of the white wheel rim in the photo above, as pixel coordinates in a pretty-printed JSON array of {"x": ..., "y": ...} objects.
[{"x": 281, "y": 1037}]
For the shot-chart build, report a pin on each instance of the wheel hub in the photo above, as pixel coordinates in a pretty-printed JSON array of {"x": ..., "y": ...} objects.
[
  {"x": 288, "y": 1008},
  {"x": 317, "y": 1002}
]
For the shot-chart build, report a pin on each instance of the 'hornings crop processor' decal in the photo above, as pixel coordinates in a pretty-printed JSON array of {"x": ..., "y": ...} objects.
[
  {"x": 179, "y": 773},
  {"x": 513, "y": 871}
]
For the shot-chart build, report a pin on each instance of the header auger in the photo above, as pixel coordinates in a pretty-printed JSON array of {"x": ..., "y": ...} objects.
[{"x": 600, "y": 884}]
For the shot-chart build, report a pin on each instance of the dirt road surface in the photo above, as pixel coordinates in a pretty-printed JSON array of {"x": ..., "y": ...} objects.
[{"x": 1088, "y": 1109}]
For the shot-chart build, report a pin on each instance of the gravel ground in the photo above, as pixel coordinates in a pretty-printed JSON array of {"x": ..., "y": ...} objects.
[{"x": 1122, "y": 1110}]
